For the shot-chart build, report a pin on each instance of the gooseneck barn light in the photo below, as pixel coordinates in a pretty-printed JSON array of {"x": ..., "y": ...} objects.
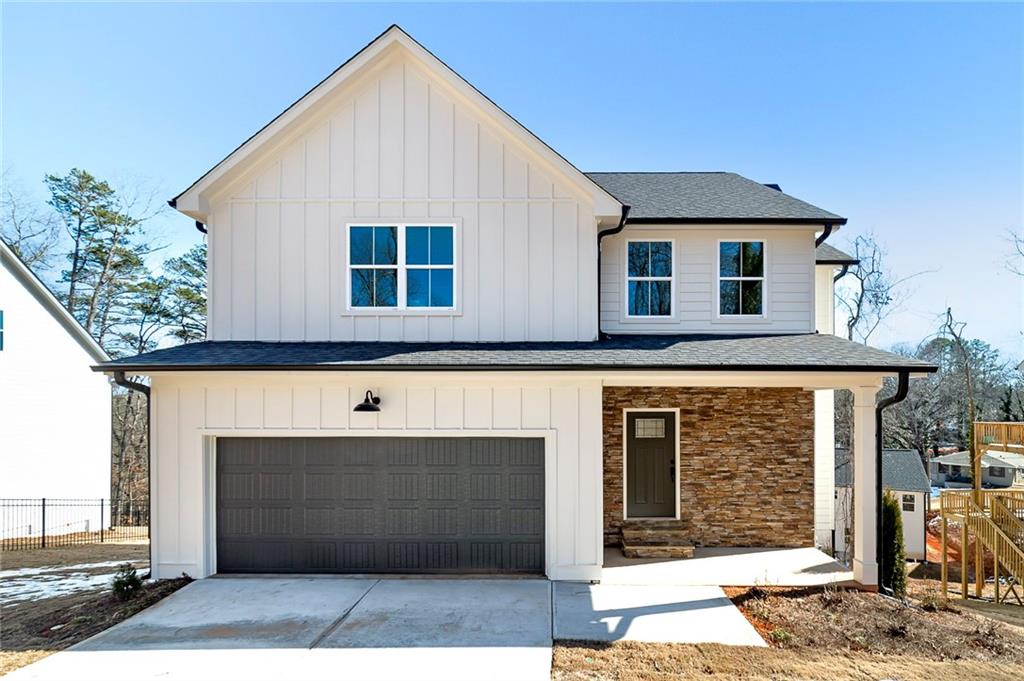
[{"x": 370, "y": 403}]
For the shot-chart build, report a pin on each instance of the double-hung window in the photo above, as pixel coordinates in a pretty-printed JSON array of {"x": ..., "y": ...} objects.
[
  {"x": 402, "y": 266},
  {"x": 649, "y": 278},
  {"x": 741, "y": 278},
  {"x": 907, "y": 502}
]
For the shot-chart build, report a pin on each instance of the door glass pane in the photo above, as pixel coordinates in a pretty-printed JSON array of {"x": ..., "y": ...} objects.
[
  {"x": 753, "y": 259},
  {"x": 417, "y": 288},
  {"x": 661, "y": 298},
  {"x": 385, "y": 246},
  {"x": 729, "y": 259},
  {"x": 417, "y": 240},
  {"x": 360, "y": 246},
  {"x": 441, "y": 291},
  {"x": 661, "y": 259},
  {"x": 649, "y": 428},
  {"x": 639, "y": 298},
  {"x": 442, "y": 247},
  {"x": 752, "y": 297},
  {"x": 639, "y": 256},
  {"x": 729, "y": 297}
]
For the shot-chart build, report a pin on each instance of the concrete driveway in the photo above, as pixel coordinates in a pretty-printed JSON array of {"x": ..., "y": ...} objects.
[{"x": 324, "y": 628}]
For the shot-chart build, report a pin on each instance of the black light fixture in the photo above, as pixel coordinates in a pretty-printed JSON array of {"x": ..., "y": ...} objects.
[{"x": 370, "y": 403}]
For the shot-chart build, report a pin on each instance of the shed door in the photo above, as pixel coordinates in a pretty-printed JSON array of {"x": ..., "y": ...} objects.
[{"x": 374, "y": 504}]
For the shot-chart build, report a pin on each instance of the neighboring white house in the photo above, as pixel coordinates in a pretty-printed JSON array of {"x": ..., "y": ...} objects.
[
  {"x": 903, "y": 475},
  {"x": 56, "y": 410},
  {"x": 435, "y": 345},
  {"x": 998, "y": 469}
]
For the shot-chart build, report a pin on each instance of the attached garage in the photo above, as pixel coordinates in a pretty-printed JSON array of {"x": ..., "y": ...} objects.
[{"x": 379, "y": 505}]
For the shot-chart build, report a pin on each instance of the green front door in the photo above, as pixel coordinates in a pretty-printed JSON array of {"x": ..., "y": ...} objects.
[{"x": 650, "y": 464}]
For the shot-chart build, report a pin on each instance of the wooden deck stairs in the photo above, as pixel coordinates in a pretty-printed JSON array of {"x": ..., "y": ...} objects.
[
  {"x": 997, "y": 523},
  {"x": 655, "y": 539}
]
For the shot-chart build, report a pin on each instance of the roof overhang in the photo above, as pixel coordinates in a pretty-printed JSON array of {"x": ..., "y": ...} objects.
[{"x": 195, "y": 201}]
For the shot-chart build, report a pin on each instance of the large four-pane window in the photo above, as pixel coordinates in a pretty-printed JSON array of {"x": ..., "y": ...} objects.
[
  {"x": 649, "y": 278},
  {"x": 741, "y": 278},
  {"x": 402, "y": 266}
]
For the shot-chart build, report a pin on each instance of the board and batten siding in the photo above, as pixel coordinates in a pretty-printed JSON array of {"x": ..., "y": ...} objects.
[
  {"x": 191, "y": 410},
  {"x": 400, "y": 144},
  {"x": 789, "y": 280},
  {"x": 824, "y": 417}
]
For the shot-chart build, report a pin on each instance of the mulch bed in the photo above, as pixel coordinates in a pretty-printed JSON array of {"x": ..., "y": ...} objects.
[{"x": 823, "y": 618}]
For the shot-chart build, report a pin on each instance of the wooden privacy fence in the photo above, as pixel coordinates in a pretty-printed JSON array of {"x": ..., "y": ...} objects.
[{"x": 49, "y": 522}]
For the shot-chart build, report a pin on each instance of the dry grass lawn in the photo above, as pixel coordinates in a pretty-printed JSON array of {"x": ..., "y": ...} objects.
[
  {"x": 134, "y": 552},
  {"x": 819, "y": 634}
]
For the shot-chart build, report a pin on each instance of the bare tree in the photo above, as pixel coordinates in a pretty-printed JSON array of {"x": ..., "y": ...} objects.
[
  {"x": 1015, "y": 263},
  {"x": 31, "y": 232},
  {"x": 871, "y": 292}
]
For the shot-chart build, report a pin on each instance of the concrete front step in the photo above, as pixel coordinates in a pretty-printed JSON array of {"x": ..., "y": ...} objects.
[
  {"x": 654, "y": 535},
  {"x": 656, "y": 551}
]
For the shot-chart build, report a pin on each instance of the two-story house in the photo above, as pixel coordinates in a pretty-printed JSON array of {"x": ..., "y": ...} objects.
[{"x": 437, "y": 346}]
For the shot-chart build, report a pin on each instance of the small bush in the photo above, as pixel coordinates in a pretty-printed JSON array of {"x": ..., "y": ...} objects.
[
  {"x": 935, "y": 603},
  {"x": 126, "y": 583},
  {"x": 894, "y": 560},
  {"x": 781, "y": 636}
]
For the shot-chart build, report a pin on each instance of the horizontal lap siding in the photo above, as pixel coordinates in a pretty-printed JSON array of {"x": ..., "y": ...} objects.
[
  {"x": 401, "y": 145},
  {"x": 790, "y": 281},
  {"x": 184, "y": 409}
]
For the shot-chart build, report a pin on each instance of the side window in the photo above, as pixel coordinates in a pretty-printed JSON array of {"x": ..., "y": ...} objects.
[
  {"x": 908, "y": 502},
  {"x": 741, "y": 278},
  {"x": 649, "y": 278},
  {"x": 1, "y": 330}
]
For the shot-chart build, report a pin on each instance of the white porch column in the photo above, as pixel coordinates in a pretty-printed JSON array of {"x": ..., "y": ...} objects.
[{"x": 865, "y": 567}]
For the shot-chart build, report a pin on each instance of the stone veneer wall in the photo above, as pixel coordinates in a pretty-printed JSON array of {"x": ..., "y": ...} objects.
[{"x": 746, "y": 460}]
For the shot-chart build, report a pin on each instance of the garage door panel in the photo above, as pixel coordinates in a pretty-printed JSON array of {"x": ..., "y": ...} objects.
[{"x": 380, "y": 505}]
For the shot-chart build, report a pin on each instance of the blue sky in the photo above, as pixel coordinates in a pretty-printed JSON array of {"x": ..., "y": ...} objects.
[{"x": 908, "y": 119}]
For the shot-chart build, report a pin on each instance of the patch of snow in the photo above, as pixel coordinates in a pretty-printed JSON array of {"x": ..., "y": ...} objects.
[{"x": 30, "y": 584}]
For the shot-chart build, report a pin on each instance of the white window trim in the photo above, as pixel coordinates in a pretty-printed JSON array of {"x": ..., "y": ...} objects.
[
  {"x": 625, "y": 453},
  {"x": 671, "y": 316},
  {"x": 402, "y": 267},
  {"x": 718, "y": 279}
]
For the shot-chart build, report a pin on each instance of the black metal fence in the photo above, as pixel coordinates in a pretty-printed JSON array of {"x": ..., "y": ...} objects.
[{"x": 45, "y": 523}]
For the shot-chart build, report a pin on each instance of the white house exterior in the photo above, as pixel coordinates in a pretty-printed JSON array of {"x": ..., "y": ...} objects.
[
  {"x": 394, "y": 234},
  {"x": 56, "y": 410}
]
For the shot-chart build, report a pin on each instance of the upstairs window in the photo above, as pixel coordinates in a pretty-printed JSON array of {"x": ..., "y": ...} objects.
[
  {"x": 741, "y": 278},
  {"x": 649, "y": 278},
  {"x": 401, "y": 266},
  {"x": 1, "y": 329},
  {"x": 908, "y": 502}
]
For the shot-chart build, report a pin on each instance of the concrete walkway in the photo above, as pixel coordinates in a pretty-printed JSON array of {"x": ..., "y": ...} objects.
[{"x": 653, "y": 614}]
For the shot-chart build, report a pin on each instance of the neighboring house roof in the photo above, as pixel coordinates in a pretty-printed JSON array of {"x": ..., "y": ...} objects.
[
  {"x": 797, "y": 352},
  {"x": 988, "y": 459},
  {"x": 189, "y": 201},
  {"x": 710, "y": 197},
  {"x": 902, "y": 470},
  {"x": 17, "y": 267},
  {"x": 830, "y": 255}
]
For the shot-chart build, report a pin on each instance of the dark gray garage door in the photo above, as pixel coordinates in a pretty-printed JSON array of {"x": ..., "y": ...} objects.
[{"x": 378, "y": 504}]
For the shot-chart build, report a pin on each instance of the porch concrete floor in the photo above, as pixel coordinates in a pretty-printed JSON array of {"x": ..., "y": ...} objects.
[{"x": 728, "y": 567}]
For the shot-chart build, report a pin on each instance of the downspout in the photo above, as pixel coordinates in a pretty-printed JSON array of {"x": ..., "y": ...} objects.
[
  {"x": 173, "y": 203},
  {"x": 824, "y": 235},
  {"x": 842, "y": 273},
  {"x": 902, "y": 388},
  {"x": 600, "y": 237},
  {"x": 119, "y": 379}
]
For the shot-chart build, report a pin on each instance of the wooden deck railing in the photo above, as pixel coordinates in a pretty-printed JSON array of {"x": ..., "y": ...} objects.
[
  {"x": 997, "y": 525},
  {"x": 1003, "y": 437}
]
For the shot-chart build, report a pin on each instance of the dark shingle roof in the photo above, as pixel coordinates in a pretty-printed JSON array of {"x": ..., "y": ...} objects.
[
  {"x": 804, "y": 352},
  {"x": 830, "y": 255},
  {"x": 707, "y": 197},
  {"x": 902, "y": 470}
]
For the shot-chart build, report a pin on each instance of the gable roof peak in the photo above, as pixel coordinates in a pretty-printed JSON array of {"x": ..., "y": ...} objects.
[{"x": 194, "y": 200}]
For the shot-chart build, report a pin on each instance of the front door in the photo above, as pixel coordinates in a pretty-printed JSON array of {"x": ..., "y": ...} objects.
[{"x": 650, "y": 464}]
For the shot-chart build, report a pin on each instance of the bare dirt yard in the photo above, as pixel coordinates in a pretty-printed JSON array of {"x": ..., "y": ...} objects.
[
  {"x": 53, "y": 598},
  {"x": 819, "y": 634}
]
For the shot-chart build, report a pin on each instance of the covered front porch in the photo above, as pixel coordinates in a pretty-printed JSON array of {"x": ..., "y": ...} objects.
[{"x": 724, "y": 479}]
